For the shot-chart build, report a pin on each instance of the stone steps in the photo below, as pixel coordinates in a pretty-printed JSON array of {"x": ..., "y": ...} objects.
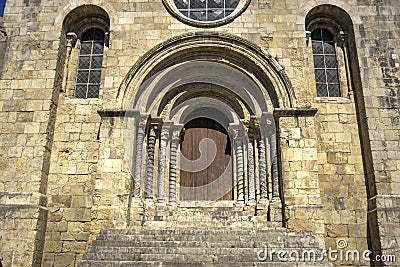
[
  {"x": 216, "y": 223},
  {"x": 201, "y": 238},
  {"x": 197, "y": 244},
  {"x": 190, "y": 254},
  {"x": 198, "y": 264},
  {"x": 211, "y": 239},
  {"x": 218, "y": 246},
  {"x": 198, "y": 230}
]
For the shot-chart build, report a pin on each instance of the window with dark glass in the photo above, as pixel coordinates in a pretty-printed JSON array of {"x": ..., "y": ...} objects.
[
  {"x": 325, "y": 63},
  {"x": 90, "y": 61},
  {"x": 206, "y": 10}
]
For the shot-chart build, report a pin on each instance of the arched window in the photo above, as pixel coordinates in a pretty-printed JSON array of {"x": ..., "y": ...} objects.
[
  {"x": 325, "y": 63},
  {"x": 330, "y": 31},
  {"x": 86, "y": 36},
  {"x": 90, "y": 62}
]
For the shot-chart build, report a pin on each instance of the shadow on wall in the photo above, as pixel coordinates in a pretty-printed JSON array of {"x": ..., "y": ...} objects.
[{"x": 4, "y": 44}]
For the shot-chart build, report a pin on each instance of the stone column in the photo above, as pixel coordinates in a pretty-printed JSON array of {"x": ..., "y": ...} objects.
[
  {"x": 237, "y": 135},
  {"x": 250, "y": 170},
  {"x": 139, "y": 157},
  {"x": 344, "y": 37},
  {"x": 152, "y": 135},
  {"x": 172, "y": 167},
  {"x": 262, "y": 163},
  {"x": 275, "y": 203},
  {"x": 71, "y": 40},
  {"x": 275, "y": 171},
  {"x": 162, "y": 165},
  {"x": 240, "y": 171}
]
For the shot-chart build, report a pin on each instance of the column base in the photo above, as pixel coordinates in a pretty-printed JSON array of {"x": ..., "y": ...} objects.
[
  {"x": 251, "y": 202},
  {"x": 173, "y": 203},
  {"x": 263, "y": 204},
  {"x": 240, "y": 203},
  {"x": 161, "y": 202},
  {"x": 149, "y": 200},
  {"x": 276, "y": 209}
]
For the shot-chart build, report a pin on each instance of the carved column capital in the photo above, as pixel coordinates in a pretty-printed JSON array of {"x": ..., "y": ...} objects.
[
  {"x": 71, "y": 39},
  {"x": 141, "y": 121},
  {"x": 344, "y": 37},
  {"x": 238, "y": 132},
  {"x": 267, "y": 121},
  {"x": 252, "y": 127},
  {"x": 164, "y": 134},
  {"x": 308, "y": 37},
  {"x": 176, "y": 130}
]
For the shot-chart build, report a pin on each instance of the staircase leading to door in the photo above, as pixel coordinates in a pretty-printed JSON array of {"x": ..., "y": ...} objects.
[{"x": 216, "y": 236}]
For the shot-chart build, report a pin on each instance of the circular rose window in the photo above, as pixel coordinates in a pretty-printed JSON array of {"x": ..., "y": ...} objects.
[{"x": 206, "y": 13}]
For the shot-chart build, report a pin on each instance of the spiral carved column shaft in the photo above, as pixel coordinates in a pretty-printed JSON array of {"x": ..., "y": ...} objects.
[
  {"x": 162, "y": 165},
  {"x": 275, "y": 172},
  {"x": 240, "y": 171},
  {"x": 138, "y": 162},
  {"x": 172, "y": 170},
  {"x": 262, "y": 169},
  {"x": 150, "y": 161},
  {"x": 251, "y": 176}
]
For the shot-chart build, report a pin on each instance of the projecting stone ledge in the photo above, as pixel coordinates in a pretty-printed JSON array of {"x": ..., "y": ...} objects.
[{"x": 295, "y": 112}]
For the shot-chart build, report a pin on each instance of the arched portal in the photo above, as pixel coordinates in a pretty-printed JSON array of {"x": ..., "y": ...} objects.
[{"x": 200, "y": 110}]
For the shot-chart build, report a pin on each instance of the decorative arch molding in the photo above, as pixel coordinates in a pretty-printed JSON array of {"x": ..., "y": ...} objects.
[
  {"x": 338, "y": 4},
  {"x": 190, "y": 109},
  {"x": 227, "y": 49},
  {"x": 74, "y": 5},
  {"x": 189, "y": 92},
  {"x": 335, "y": 14}
]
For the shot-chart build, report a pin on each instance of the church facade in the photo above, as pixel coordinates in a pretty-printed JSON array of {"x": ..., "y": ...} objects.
[{"x": 122, "y": 114}]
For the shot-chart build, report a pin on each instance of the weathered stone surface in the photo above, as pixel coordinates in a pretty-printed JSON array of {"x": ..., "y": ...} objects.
[{"x": 64, "y": 170}]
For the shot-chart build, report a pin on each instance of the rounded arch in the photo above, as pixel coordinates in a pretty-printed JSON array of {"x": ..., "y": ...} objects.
[
  {"x": 342, "y": 12},
  {"x": 100, "y": 10},
  {"x": 226, "y": 51},
  {"x": 191, "y": 91},
  {"x": 204, "y": 107},
  {"x": 85, "y": 17},
  {"x": 331, "y": 13}
]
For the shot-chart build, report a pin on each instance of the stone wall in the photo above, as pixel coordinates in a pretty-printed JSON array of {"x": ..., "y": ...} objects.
[
  {"x": 28, "y": 104},
  {"x": 381, "y": 59},
  {"x": 63, "y": 176}
]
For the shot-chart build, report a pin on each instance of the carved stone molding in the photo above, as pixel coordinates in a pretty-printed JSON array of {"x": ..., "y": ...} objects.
[{"x": 295, "y": 112}]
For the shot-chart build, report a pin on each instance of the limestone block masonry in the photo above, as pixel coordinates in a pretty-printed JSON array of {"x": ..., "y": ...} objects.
[{"x": 86, "y": 177}]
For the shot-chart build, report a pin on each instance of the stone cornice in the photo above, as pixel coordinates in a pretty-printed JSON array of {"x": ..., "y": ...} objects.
[
  {"x": 112, "y": 113},
  {"x": 295, "y": 112}
]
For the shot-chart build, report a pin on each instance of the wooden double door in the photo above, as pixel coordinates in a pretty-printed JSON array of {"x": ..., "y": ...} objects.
[{"x": 205, "y": 162}]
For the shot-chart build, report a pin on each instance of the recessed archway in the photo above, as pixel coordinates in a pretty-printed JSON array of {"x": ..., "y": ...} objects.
[{"x": 205, "y": 87}]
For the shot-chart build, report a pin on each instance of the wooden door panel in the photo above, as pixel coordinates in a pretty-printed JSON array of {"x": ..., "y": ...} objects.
[{"x": 207, "y": 183}]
